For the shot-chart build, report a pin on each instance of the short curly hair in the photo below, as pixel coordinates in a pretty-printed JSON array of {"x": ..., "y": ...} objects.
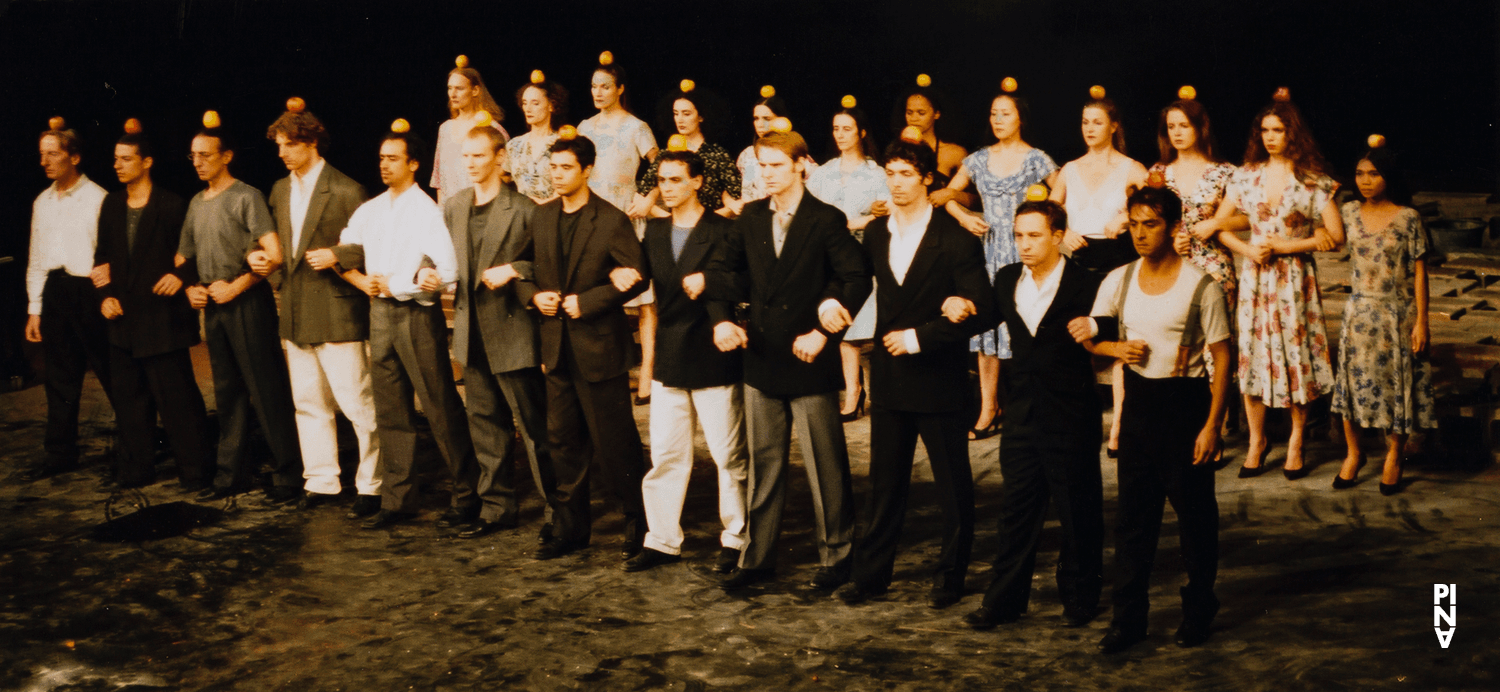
[{"x": 301, "y": 127}]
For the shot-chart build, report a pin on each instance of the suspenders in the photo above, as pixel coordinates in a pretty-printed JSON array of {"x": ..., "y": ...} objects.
[{"x": 1192, "y": 326}]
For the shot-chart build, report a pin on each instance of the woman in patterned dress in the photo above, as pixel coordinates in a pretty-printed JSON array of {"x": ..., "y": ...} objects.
[
  {"x": 1384, "y": 379},
  {"x": 691, "y": 112},
  {"x": 767, "y": 110},
  {"x": 622, "y": 140},
  {"x": 853, "y": 182},
  {"x": 545, "y": 105},
  {"x": 1283, "y": 345},
  {"x": 1001, "y": 172},
  {"x": 1190, "y": 168},
  {"x": 467, "y": 96}
]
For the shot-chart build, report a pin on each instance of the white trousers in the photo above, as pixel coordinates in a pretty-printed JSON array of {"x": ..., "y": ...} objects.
[
  {"x": 721, "y": 412},
  {"x": 325, "y": 376}
]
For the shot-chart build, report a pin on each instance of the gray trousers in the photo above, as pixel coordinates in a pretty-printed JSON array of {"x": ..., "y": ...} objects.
[
  {"x": 769, "y": 421},
  {"x": 499, "y": 404},
  {"x": 409, "y": 355}
]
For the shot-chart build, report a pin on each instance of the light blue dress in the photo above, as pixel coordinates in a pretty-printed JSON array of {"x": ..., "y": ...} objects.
[
  {"x": 853, "y": 193},
  {"x": 1001, "y": 196}
]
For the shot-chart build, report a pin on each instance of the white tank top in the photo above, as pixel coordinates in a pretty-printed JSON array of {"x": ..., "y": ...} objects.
[{"x": 1090, "y": 210}]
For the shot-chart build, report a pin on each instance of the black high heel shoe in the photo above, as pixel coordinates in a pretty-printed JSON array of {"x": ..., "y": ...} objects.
[
  {"x": 859, "y": 410},
  {"x": 1340, "y": 483},
  {"x": 1392, "y": 489},
  {"x": 1253, "y": 471}
]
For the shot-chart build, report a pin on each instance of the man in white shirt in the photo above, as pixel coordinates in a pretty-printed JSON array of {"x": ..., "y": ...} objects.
[
  {"x": 1166, "y": 311},
  {"x": 397, "y": 249},
  {"x": 63, "y": 306},
  {"x": 921, "y": 360},
  {"x": 325, "y": 321}
]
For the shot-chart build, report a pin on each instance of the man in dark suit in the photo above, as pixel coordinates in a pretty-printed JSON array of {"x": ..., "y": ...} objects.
[
  {"x": 151, "y": 326},
  {"x": 921, "y": 258},
  {"x": 1049, "y": 448},
  {"x": 494, "y": 334},
  {"x": 586, "y": 349},
  {"x": 694, "y": 378},
  {"x": 792, "y": 258},
  {"x": 325, "y": 320}
]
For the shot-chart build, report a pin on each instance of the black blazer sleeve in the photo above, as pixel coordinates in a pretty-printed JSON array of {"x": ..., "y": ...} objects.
[{"x": 973, "y": 284}]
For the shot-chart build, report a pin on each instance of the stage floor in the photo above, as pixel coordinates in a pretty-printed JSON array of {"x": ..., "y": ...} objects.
[{"x": 1320, "y": 590}]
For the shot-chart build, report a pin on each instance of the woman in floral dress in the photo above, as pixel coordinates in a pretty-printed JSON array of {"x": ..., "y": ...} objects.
[
  {"x": 1189, "y": 167},
  {"x": 691, "y": 111},
  {"x": 1384, "y": 379},
  {"x": 545, "y": 105},
  {"x": 1001, "y": 172},
  {"x": 1283, "y": 346}
]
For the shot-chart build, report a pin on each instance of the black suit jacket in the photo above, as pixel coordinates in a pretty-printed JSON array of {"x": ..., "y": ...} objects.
[
  {"x": 819, "y": 260},
  {"x": 601, "y": 338},
  {"x": 686, "y": 357},
  {"x": 319, "y": 306},
  {"x": 949, "y": 262},
  {"x": 1049, "y": 381},
  {"x": 152, "y": 324},
  {"x": 507, "y": 329}
]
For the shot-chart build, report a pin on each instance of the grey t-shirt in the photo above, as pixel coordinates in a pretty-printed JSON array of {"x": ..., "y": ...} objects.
[
  {"x": 132, "y": 222},
  {"x": 220, "y": 232}
]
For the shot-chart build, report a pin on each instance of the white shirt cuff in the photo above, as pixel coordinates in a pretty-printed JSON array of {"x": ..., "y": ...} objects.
[
  {"x": 34, "y": 308},
  {"x": 909, "y": 337},
  {"x": 827, "y": 305},
  {"x": 1093, "y": 328}
]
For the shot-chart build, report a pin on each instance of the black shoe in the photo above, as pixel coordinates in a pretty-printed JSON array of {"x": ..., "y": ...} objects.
[
  {"x": 1112, "y": 452},
  {"x": 545, "y": 534},
  {"x": 1340, "y": 483},
  {"x": 632, "y": 547},
  {"x": 641, "y": 400},
  {"x": 1193, "y": 632},
  {"x": 859, "y": 409},
  {"x": 729, "y": 558},
  {"x": 48, "y": 469},
  {"x": 214, "y": 493},
  {"x": 938, "y": 599},
  {"x": 746, "y": 577},
  {"x": 1248, "y": 472},
  {"x": 283, "y": 494},
  {"x": 1117, "y": 640},
  {"x": 648, "y": 558},
  {"x": 1295, "y": 474},
  {"x": 1389, "y": 490},
  {"x": 311, "y": 499},
  {"x": 854, "y": 594},
  {"x": 1078, "y": 616},
  {"x": 987, "y": 618},
  {"x": 829, "y": 578},
  {"x": 386, "y": 518},
  {"x": 457, "y": 516},
  {"x": 556, "y": 548},
  {"x": 986, "y": 433},
  {"x": 364, "y": 506},
  {"x": 484, "y": 528}
]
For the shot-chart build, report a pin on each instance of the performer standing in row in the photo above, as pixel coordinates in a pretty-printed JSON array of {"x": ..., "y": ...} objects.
[
  {"x": 64, "y": 229},
  {"x": 467, "y": 97},
  {"x": 1049, "y": 446},
  {"x": 151, "y": 325},
  {"x": 920, "y": 261},
  {"x": 767, "y": 109},
  {"x": 922, "y": 107},
  {"x": 585, "y": 341},
  {"x": 325, "y": 321},
  {"x": 545, "y": 106},
  {"x": 224, "y": 224},
  {"x": 692, "y": 114},
  {"x": 1191, "y": 168},
  {"x": 494, "y": 333},
  {"x": 397, "y": 250},
  {"x": 791, "y": 257},
  {"x": 696, "y": 379}
]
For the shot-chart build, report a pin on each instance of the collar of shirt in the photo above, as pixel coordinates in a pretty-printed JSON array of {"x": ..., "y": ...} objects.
[
  {"x": 1033, "y": 300},
  {"x": 905, "y": 241},
  {"x": 77, "y": 185},
  {"x": 303, "y": 184},
  {"x": 796, "y": 202}
]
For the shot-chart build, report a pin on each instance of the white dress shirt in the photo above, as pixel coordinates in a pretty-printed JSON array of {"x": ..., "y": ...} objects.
[
  {"x": 64, "y": 232},
  {"x": 1032, "y": 300},
  {"x": 301, "y": 197},
  {"x": 904, "y": 243},
  {"x": 396, "y": 233}
]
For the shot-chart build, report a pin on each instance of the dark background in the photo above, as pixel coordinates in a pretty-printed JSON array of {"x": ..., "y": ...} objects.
[{"x": 1422, "y": 74}]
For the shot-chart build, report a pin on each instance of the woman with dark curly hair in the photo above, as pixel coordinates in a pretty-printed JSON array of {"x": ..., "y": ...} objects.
[{"x": 545, "y": 106}]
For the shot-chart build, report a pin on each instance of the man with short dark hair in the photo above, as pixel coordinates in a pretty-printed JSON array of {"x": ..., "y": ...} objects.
[
  {"x": 151, "y": 325},
  {"x": 398, "y": 251},
  {"x": 325, "y": 321},
  {"x": 586, "y": 350},
  {"x": 64, "y": 227},
  {"x": 224, "y": 224}
]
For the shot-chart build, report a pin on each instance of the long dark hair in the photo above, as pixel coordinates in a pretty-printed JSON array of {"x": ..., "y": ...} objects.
[
  {"x": 1023, "y": 113},
  {"x": 557, "y": 96},
  {"x": 1301, "y": 150},
  {"x": 1397, "y": 187},
  {"x": 617, "y": 73},
  {"x": 1197, "y": 116},
  {"x": 861, "y": 123},
  {"x": 942, "y": 128}
]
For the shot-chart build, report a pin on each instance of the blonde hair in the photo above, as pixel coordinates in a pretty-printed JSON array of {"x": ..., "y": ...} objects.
[{"x": 486, "y": 102}]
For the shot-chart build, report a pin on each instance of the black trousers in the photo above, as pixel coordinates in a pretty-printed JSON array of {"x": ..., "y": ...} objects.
[
  {"x": 499, "y": 404},
  {"x": 409, "y": 358},
  {"x": 164, "y": 384},
  {"x": 250, "y": 379},
  {"x": 74, "y": 340},
  {"x": 1040, "y": 469},
  {"x": 592, "y": 425},
  {"x": 1103, "y": 255},
  {"x": 1158, "y": 426},
  {"x": 893, "y": 445}
]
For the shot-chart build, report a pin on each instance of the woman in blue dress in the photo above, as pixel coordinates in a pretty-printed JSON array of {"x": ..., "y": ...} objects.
[
  {"x": 1001, "y": 173},
  {"x": 855, "y": 183}
]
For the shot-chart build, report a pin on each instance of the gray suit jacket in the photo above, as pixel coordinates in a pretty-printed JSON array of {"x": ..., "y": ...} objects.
[
  {"x": 507, "y": 329},
  {"x": 319, "y": 306}
]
